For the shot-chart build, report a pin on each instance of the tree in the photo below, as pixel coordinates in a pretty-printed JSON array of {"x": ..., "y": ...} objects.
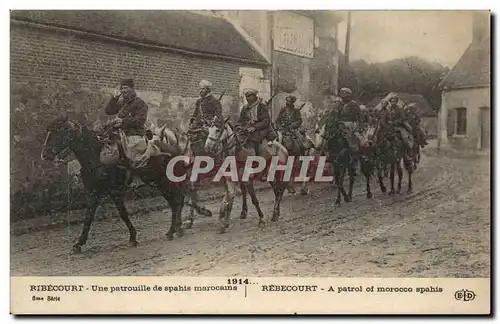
[{"x": 407, "y": 75}]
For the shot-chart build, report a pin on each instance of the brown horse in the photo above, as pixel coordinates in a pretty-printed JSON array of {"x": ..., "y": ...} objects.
[
  {"x": 390, "y": 151},
  {"x": 342, "y": 159},
  {"x": 294, "y": 149},
  {"x": 101, "y": 180},
  {"x": 368, "y": 157},
  {"x": 188, "y": 144}
]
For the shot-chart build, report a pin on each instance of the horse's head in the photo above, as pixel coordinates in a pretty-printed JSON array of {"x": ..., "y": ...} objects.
[
  {"x": 280, "y": 136},
  {"x": 367, "y": 139},
  {"x": 217, "y": 132},
  {"x": 319, "y": 137},
  {"x": 61, "y": 132},
  {"x": 167, "y": 139}
]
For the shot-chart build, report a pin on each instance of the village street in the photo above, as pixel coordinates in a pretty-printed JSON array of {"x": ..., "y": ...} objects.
[{"x": 442, "y": 229}]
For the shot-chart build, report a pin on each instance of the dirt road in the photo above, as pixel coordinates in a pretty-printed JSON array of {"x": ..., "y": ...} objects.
[{"x": 441, "y": 230}]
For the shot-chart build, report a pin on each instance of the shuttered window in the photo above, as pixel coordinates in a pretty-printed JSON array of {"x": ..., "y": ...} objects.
[{"x": 461, "y": 121}]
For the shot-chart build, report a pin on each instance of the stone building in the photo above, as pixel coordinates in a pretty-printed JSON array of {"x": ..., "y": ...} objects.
[
  {"x": 166, "y": 52},
  {"x": 302, "y": 47},
  {"x": 464, "y": 117}
]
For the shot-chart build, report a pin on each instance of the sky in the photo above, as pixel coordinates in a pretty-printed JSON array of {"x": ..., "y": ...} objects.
[{"x": 437, "y": 36}]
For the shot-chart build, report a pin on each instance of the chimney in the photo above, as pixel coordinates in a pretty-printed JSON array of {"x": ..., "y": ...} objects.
[{"x": 480, "y": 26}]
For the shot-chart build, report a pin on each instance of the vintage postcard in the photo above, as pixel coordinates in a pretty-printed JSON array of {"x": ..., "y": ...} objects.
[{"x": 250, "y": 162}]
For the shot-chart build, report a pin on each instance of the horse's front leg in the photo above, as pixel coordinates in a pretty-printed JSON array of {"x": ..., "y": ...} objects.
[
  {"x": 304, "y": 191},
  {"x": 192, "y": 193},
  {"x": 193, "y": 198},
  {"x": 124, "y": 215},
  {"x": 255, "y": 202},
  {"x": 393, "y": 167},
  {"x": 339, "y": 179},
  {"x": 409, "y": 169},
  {"x": 175, "y": 198},
  {"x": 368, "y": 174},
  {"x": 226, "y": 206},
  {"x": 352, "y": 178},
  {"x": 380, "y": 177},
  {"x": 400, "y": 175},
  {"x": 244, "y": 207},
  {"x": 95, "y": 200},
  {"x": 279, "y": 190},
  {"x": 199, "y": 206},
  {"x": 415, "y": 156}
]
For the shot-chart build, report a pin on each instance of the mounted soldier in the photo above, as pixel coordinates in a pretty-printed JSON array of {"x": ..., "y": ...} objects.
[
  {"x": 255, "y": 121},
  {"x": 289, "y": 122},
  {"x": 398, "y": 121},
  {"x": 351, "y": 111},
  {"x": 131, "y": 112},
  {"x": 348, "y": 118},
  {"x": 207, "y": 107}
]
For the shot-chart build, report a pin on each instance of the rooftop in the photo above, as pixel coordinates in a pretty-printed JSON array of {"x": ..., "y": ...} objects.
[
  {"x": 472, "y": 69},
  {"x": 174, "y": 29}
]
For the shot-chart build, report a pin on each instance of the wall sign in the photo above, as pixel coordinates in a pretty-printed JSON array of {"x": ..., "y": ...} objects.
[{"x": 293, "y": 34}]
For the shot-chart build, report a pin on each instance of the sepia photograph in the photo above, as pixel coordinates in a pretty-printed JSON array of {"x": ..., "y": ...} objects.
[{"x": 250, "y": 144}]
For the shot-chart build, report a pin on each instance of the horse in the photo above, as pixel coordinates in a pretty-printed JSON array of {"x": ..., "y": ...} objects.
[
  {"x": 368, "y": 158},
  {"x": 295, "y": 150},
  {"x": 391, "y": 151},
  {"x": 65, "y": 135},
  {"x": 342, "y": 159},
  {"x": 319, "y": 144},
  {"x": 419, "y": 142},
  {"x": 223, "y": 141},
  {"x": 189, "y": 145}
]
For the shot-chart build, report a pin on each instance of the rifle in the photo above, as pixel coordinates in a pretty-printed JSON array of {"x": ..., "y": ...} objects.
[
  {"x": 222, "y": 94},
  {"x": 270, "y": 99},
  {"x": 300, "y": 108}
]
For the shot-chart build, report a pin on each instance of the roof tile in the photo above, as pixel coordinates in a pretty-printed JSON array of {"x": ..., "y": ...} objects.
[
  {"x": 172, "y": 28},
  {"x": 472, "y": 69}
]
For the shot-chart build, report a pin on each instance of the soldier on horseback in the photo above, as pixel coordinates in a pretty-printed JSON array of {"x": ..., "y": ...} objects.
[
  {"x": 131, "y": 112},
  {"x": 398, "y": 121},
  {"x": 289, "y": 122},
  {"x": 207, "y": 107},
  {"x": 348, "y": 116},
  {"x": 255, "y": 121}
]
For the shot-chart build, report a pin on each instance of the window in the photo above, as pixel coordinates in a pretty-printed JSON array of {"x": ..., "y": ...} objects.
[{"x": 461, "y": 121}]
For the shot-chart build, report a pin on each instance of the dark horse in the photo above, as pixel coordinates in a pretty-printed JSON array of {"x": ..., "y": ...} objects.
[
  {"x": 65, "y": 135},
  {"x": 368, "y": 157},
  {"x": 390, "y": 151},
  {"x": 342, "y": 158}
]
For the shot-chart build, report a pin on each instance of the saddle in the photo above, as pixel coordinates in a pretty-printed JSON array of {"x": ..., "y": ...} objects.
[
  {"x": 406, "y": 136},
  {"x": 135, "y": 150},
  {"x": 349, "y": 131}
]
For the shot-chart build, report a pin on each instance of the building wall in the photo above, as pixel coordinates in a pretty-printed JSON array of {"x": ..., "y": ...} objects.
[
  {"x": 168, "y": 82},
  {"x": 309, "y": 79},
  {"x": 473, "y": 100}
]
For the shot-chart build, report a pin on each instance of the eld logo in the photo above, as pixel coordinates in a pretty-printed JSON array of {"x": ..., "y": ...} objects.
[{"x": 465, "y": 295}]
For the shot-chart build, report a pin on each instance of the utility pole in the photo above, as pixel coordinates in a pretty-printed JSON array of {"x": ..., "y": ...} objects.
[
  {"x": 272, "y": 82},
  {"x": 346, "y": 71},
  {"x": 348, "y": 38}
]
